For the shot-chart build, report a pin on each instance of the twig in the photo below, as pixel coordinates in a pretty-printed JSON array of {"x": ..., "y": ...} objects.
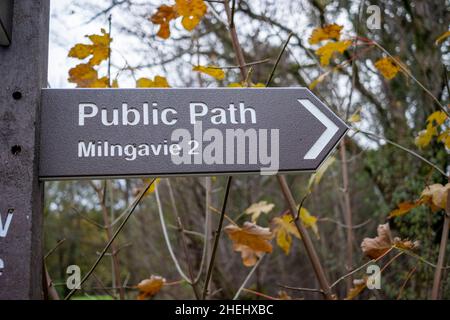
[
  {"x": 216, "y": 238},
  {"x": 361, "y": 267},
  {"x": 373, "y": 135},
  {"x": 249, "y": 64},
  {"x": 119, "y": 229},
  {"x": 226, "y": 216},
  {"x": 167, "y": 239},
  {"x": 233, "y": 8},
  {"x": 342, "y": 225},
  {"x": 235, "y": 41},
  {"x": 442, "y": 248},
  {"x": 408, "y": 276},
  {"x": 406, "y": 71},
  {"x": 301, "y": 289},
  {"x": 60, "y": 242},
  {"x": 306, "y": 239},
  {"x": 275, "y": 66},
  {"x": 247, "y": 278},
  {"x": 196, "y": 279},
  {"x": 260, "y": 294}
]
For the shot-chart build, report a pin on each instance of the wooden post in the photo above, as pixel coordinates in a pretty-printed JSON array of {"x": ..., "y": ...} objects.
[{"x": 23, "y": 72}]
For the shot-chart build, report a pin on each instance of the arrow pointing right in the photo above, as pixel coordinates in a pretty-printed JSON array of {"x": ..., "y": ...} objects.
[{"x": 326, "y": 136}]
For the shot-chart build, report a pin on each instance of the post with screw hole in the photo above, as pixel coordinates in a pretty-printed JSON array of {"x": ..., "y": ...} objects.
[{"x": 23, "y": 70}]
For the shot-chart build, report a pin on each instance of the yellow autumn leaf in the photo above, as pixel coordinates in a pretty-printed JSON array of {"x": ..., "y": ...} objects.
[
  {"x": 358, "y": 286},
  {"x": 251, "y": 240},
  {"x": 150, "y": 287},
  {"x": 437, "y": 193},
  {"x": 327, "y": 51},
  {"x": 256, "y": 209},
  {"x": 153, "y": 186},
  {"x": 437, "y": 117},
  {"x": 162, "y": 17},
  {"x": 284, "y": 229},
  {"x": 317, "y": 176},
  {"x": 356, "y": 116},
  {"x": 309, "y": 221},
  {"x": 157, "y": 82},
  {"x": 445, "y": 138},
  {"x": 425, "y": 136},
  {"x": 192, "y": 12},
  {"x": 442, "y": 37},
  {"x": 246, "y": 85},
  {"x": 318, "y": 80},
  {"x": 99, "y": 49},
  {"x": 403, "y": 208},
  {"x": 85, "y": 76},
  {"x": 331, "y": 31},
  {"x": 212, "y": 71},
  {"x": 388, "y": 67}
]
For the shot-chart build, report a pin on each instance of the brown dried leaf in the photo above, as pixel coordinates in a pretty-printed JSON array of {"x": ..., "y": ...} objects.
[
  {"x": 359, "y": 286},
  {"x": 251, "y": 240},
  {"x": 376, "y": 247}
]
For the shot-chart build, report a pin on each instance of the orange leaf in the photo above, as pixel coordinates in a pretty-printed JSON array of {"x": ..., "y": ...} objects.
[
  {"x": 192, "y": 12},
  {"x": 85, "y": 76},
  {"x": 403, "y": 208},
  {"x": 251, "y": 240},
  {"x": 163, "y": 16},
  {"x": 388, "y": 67},
  {"x": 150, "y": 287},
  {"x": 99, "y": 49},
  {"x": 331, "y": 31},
  {"x": 359, "y": 286},
  {"x": 157, "y": 82},
  {"x": 327, "y": 51}
]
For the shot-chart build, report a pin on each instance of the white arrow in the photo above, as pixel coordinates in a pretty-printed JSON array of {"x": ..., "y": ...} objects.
[{"x": 326, "y": 136}]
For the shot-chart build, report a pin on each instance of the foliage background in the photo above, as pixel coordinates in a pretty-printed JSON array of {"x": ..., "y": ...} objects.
[{"x": 380, "y": 175}]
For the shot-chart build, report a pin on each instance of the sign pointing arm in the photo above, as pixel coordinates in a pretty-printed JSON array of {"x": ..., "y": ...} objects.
[{"x": 327, "y": 135}]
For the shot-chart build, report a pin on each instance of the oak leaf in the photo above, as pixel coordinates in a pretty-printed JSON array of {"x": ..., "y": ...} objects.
[
  {"x": 331, "y": 31},
  {"x": 150, "y": 287},
  {"x": 257, "y": 208}
]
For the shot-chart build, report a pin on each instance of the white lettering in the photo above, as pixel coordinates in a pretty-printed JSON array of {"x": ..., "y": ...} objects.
[
  {"x": 82, "y": 112},
  {"x": 4, "y": 228}
]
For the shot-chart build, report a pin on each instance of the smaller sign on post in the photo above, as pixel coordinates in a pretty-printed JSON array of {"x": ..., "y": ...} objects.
[{"x": 105, "y": 133}]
